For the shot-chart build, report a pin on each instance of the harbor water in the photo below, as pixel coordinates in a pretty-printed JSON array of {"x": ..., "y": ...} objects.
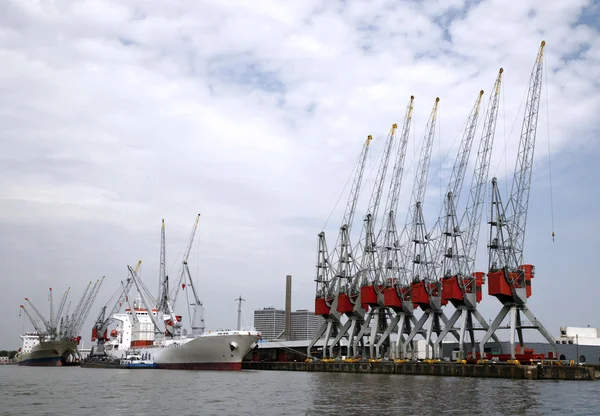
[{"x": 83, "y": 391}]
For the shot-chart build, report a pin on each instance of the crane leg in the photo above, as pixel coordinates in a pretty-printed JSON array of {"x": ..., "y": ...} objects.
[
  {"x": 540, "y": 328},
  {"x": 400, "y": 343},
  {"x": 388, "y": 331},
  {"x": 363, "y": 330},
  {"x": 493, "y": 327},
  {"x": 484, "y": 325},
  {"x": 374, "y": 329},
  {"x": 342, "y": 331},
  {"x": 324, "y": 326},
  {"x": 414, "y": 332},
  {"x": 513, "y": 324},
  {"x": 437, "y": 345}
]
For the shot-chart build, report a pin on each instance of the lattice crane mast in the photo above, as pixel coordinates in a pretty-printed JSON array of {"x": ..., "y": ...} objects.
[
  {"x": 509, "y": 280},
  {"x": 328, "y": 275},
  {"x": 460, "y": 285},
  {"x": 163, "y": 302},
  {"x": 349, "y": 293},
  {"x": 418, "y": 248}
]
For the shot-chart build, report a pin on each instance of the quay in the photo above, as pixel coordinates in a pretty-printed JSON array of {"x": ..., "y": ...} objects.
[{"x": 447, "y": 369}]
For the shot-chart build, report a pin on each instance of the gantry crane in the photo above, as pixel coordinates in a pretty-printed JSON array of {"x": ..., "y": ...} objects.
[
  {"x": 443, "y": 231},
  {"x": 509, "y": 280},
  {"x": 424, "y": 292},
  {"x": 389, "y": 244},
  {"x": 372, "y": 281},
  {"x": 349, "y": 293},
  {"x": 104, "y": 320},
  {"x": 460, "y": 285},
  {"x": 328, "y": 275},
  {"x": 398, "y": 291}
]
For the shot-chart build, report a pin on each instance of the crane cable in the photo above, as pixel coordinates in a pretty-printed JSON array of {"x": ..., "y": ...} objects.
[{"x": 549, "y": 153}]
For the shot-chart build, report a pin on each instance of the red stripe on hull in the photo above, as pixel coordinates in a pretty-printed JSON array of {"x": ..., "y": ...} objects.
[{"x": 201, "y": 366}]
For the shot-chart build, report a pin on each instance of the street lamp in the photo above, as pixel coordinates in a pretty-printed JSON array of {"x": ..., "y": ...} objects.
[{"x": 577, "y": 341}]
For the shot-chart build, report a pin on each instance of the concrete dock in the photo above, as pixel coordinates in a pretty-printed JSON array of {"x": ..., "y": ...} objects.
[{"x": 447, "y": 369}]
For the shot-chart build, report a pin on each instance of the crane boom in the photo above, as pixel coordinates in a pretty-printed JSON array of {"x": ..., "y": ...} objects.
[
  {"x": 186, "y": 254},
  {"x": 510, "y": 279},
  {"x": 521, "y": 185},
  {"x": 448, "y": 250},
  {"x": 415, "y": 223},
  {"x": 33, "y": 321},
  {"x": 370, "y": 246},
  {"x": 390, "y": 241},
  {"x": 474, "y": 209}
]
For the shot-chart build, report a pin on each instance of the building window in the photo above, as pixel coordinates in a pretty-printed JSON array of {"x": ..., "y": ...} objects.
[
  {"x": 582, "y": 358},
  {"x": 562, "y": 357}
]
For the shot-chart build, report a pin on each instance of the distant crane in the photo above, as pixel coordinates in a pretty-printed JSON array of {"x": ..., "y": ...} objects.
[
  {"x": 328, "y": 275},
  {"x": 509, "y": 280}
]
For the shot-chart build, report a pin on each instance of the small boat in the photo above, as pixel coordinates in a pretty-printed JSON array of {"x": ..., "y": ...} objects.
[{"x": 136, "y": 359}]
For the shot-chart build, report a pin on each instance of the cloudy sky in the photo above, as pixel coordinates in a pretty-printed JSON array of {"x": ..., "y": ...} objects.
[{"x": 116, "y": 114}]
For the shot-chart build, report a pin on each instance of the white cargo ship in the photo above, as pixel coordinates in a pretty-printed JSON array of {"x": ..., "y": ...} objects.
[{"x": 212, "y": 350}]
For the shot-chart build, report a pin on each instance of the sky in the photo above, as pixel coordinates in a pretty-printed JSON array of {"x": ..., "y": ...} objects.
[{"x": 117, "y": 114}]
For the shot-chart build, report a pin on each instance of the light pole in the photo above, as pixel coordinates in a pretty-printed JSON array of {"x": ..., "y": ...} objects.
[{"x": 577, "y": 341}]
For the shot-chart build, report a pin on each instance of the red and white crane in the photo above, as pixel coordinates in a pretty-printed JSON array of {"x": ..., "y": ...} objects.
[
  {"x": 387, "y": 244},
  {"x": 328, "y": 274},
  {"x": 349, "y": 287},
  {"x": 398, "y": 291},
  {"x": 460, "y": 285},
  {"x": 509, "y": 279}
]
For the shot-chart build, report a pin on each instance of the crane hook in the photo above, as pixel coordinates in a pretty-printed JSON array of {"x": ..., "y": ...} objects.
[{"x": 553, "y": 236}]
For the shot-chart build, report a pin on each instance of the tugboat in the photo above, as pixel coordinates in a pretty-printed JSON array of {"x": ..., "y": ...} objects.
[{"x": 137, "y": 359}]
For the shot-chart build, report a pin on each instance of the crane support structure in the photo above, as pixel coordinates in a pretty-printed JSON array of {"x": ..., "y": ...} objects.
[
  {"x": 460, "y": 286},
  {"x": 349, "y": 294},
  {"x": 328, "y": 275},
  {"x": 509, "y": 280}
]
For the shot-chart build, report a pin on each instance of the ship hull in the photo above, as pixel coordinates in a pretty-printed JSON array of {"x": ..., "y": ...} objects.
[
  {"x": 49, "y": 354},
  {"x": 205, "y": 352}
]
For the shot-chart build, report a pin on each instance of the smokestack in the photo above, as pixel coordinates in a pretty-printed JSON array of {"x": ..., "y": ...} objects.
[{"x": 288, "y": 306}]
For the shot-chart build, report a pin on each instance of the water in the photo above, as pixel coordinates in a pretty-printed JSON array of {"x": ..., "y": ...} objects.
[{"x": 83, "y": 391}]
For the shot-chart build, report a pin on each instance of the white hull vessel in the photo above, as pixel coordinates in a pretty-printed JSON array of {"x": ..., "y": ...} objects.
[{"x": 218, "y": 350}]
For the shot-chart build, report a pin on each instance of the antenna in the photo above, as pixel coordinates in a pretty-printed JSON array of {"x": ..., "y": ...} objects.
[{"x": 239, "y": 321}]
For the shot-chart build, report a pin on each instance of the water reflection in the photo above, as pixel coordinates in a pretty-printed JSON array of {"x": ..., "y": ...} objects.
[{"x": 334, "y": 393}]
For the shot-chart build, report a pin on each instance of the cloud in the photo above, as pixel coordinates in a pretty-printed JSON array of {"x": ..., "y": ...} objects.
[{"x": 117, "y": 114}]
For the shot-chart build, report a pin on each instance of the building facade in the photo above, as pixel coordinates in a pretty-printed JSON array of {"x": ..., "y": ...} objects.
[
  {"x": 304, "y": 325},
  {"x": 271, "y": 324}
]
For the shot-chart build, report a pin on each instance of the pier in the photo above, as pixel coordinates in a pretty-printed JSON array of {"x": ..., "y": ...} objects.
[{"x": 447, "y": 369}]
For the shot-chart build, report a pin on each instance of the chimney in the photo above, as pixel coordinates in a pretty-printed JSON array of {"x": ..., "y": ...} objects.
[{"x": 288, "y": 307}]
